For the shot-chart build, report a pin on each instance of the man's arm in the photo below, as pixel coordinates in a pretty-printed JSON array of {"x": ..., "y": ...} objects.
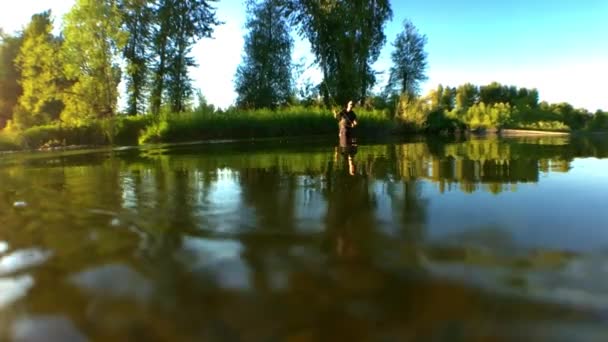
[{"x": 336, "y": 114}]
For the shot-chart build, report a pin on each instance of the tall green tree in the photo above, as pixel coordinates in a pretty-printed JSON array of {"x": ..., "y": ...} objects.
[
  {"x": 497, "y": 93},
  {"x": 41, "y": 74},
  {"x": 137, "y": 17},
  {"x": 467, "y": 95},
  {"x": 264, "y": 77},
  {"x": 179, "y": 25},
  {"x": 443, "y": 98},
  {"x": 10, "y": 89},
  {"x": 346, "y": 37},
  {"x": 409, "y": 61},
  {"x": 94, "y": 39}
]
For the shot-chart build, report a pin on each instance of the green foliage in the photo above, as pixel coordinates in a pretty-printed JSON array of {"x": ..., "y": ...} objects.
[
  {"x": 413, "y": 112},
  {"x": 90, "y": 134},
  {"x": 545, "y": 126},
  {"x": 41, "y": 74},
  {"x": 8, "y": 142},
  {"x": 487, "y": 116},
  {"x": 409, "y": 61},
  {"x": 125, "y": 130},
  {"x": 264, "y": 80},
  {"x": 177, "y": 26},
  {"x": 93, "y": 38},
  {"x": 346, "y": 37},
  {"x": 261, "y": 123},
  {"x": 10, "y": 90},
  {"x": 119, "y": 130},
  {"x": 599, "y": 121},
  {"x": 467, "y": 95},
  {"x": 137, "y": 20},
  {"x": 448, "y": 108}
]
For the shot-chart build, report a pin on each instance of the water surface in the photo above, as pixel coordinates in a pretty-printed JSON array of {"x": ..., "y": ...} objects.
[{"x": 301, "y": 240}]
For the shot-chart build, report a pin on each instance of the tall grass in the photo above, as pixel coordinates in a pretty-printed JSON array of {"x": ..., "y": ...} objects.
[
  {"x": 198, "y": 125},
  {"x": 8, "y": 142},
  {"x": 261, "y": 123}
]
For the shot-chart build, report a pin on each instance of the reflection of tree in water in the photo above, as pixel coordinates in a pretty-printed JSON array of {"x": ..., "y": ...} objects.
[
  {"x": 271, "y": 193},
  {"x": 493, "y": 164},
  {"x": 350, "y": 207}
]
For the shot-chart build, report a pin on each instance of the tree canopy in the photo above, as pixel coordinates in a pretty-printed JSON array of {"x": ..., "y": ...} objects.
[
  {"x": 346, "y": 37},
  {"x": 409, "y": 61},
  {"x": 264, "y": 77}
]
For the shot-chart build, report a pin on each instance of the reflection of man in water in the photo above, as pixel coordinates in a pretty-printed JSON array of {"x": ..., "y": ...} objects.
[
  {"x": 347, "y": 120},
  {"x": 348, "y": 153},
  {"x": 350, "y": 208}
]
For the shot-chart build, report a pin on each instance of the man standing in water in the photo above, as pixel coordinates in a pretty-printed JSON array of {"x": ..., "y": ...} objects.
[{"x": 347, "y": 120}]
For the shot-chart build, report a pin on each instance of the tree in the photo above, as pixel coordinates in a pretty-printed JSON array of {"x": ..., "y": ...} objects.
[
  {"x": 496, "y": 93},
  {"x": 41, "y": 74},
  {"x": 409, "y": 61},
  {"x": 137, "y": 20},
  {"x": 179, "y": 24},
  {"x": 10, "y": 89},
  {"x": 467, "y": 95},
  {"x": 264, "y": 77},
  {"x": 443, "y": 98},
  {"x": 346, "y": 37},
  {"x": 93, "y": 40}
]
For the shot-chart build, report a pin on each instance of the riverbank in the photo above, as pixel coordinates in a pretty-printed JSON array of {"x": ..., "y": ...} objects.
[
  {"x": 230, "y": 125},
  {"x": 195, "y": 126},
  {"x": 526, "y": 132}
]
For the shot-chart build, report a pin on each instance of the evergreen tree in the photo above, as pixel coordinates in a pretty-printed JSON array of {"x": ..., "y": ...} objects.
[
  {"x": 179, "y": 24},
  {"x": 409, "y": 61},
  {"x": 137, "y": 16},
  {"x": 264, "y": 77}
]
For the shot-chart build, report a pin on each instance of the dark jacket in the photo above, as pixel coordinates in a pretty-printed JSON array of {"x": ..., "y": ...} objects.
[{"x": 346, "y": 120}]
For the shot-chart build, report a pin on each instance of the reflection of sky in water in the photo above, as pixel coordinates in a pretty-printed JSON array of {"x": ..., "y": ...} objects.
[
  {"x": 46, "y": 328},
  {"x": 3, "y": 247},
  {"x": 222, "y": 207},
  {"x": 22, "y": 259},
  {"x": 129, "y": 198},
  {"x": 579, "y": 282},
  {"x": 310, "y": 206},
  {"x": 386, "y": 209},
  {"x": 118, "y": 281},
  {"x": 11, "y": 289},
  {"x": 563, "y": 210},
  {"x": 220, "y": 259},
  {"x": 14, "y": 288}
]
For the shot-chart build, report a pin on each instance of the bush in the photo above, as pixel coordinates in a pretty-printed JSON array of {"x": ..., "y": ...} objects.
[
  {"x": 545, "y": 126},
  {"x": 8, "y": 142}
]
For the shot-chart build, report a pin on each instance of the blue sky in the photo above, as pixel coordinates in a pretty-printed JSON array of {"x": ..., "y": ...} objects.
[{"x": 559, "y": 47}]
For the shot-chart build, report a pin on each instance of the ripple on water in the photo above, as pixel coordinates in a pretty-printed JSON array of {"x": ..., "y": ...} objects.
[
  {"x": 12, "y": 289},
  {"x": 3, "y": 247},
  {"x": 220, "y": 259},
  {"x": 22, "y": 259},
  {"x": 115, "y": 280},
  {"x": 46, "y": 328}
]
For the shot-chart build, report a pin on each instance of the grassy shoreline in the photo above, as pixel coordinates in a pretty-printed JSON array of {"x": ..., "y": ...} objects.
[
  {"x": 194, "y": 126},
  {"x": 200, "y": 126}
]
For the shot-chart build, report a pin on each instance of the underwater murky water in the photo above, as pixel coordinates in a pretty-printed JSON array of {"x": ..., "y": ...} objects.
[{"x": 300, "y": 241}]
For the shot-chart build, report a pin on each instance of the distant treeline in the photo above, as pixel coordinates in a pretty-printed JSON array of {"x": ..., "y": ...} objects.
[{"x": 493, "y": 106}]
